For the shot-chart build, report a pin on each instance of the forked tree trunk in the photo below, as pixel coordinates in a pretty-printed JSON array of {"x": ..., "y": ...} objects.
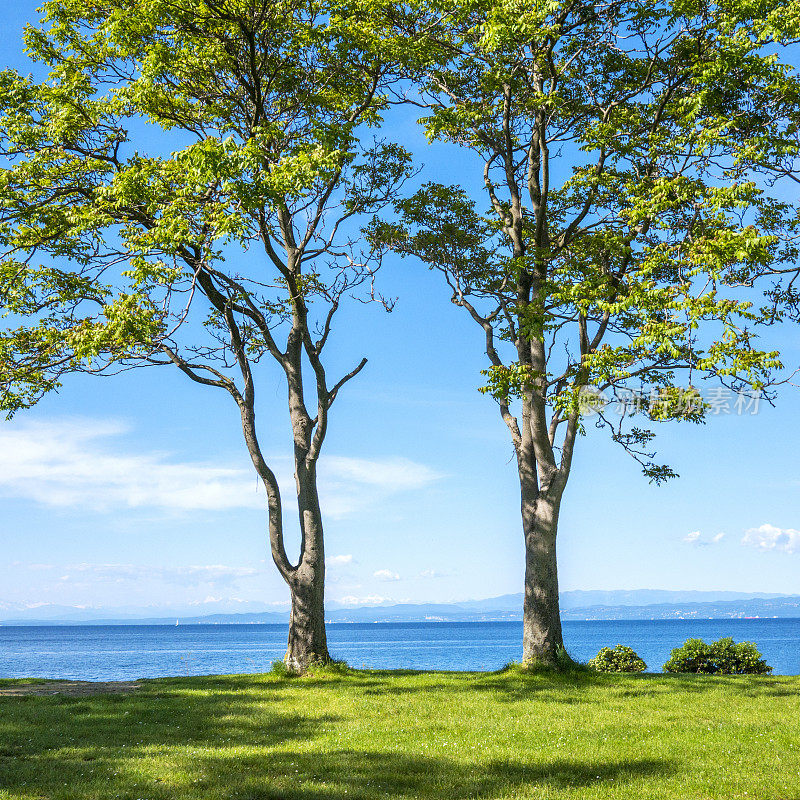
[
  {"x": 542, "y": 485},
  {"x": 307, "y": 643}
]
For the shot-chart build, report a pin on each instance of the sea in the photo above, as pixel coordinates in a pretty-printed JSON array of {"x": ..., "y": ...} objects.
[{"x": 126, "y": 652}]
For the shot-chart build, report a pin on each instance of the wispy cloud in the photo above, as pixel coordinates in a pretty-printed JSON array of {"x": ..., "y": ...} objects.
[
  {"x": 696, "y": 538},
  {"x": 399, "y": 473},
  {"x": 213, "y": 575},
  {"x": 385, "y": 575},
  {"x": 349, "y": 485},
  {"x": 431, "y": 574},
  {"x": 84, "y": 464},
  {"x": 80, "y": 463},
  {"x": 366, "y": 600},
  {"x": 768, "y": 537},
  {"x": 338, "y": 561}
]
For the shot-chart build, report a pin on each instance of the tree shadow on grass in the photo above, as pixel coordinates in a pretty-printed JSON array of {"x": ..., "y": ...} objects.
[
  {"x": 177, "y": 740},
  {"x": 504, "y": 686},
  {"x": 569, "y": 688},
  {"x": 95, "y": 772},
  {"x": 61, "y": 746},
  {"x": 142, "y": 720},
  {"x": 370, "y": 775},
  {"x": 242, "y": 738}
]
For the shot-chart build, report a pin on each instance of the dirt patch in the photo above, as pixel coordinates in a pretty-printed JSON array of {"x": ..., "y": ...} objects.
[{"x": 70, "y": 688}]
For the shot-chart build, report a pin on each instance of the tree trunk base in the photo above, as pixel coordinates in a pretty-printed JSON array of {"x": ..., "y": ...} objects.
[
  {"x": 558, "y": 660},
  {"x": 542, "y": 637},
  {"x": 308, "y": 643},
  {"x": 299, "y": 661}
]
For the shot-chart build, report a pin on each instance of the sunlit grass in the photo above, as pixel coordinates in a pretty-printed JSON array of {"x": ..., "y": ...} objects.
[{"x": 446, "y": 736}]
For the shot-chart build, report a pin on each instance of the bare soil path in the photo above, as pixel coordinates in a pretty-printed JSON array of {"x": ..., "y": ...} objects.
[{"x": 70, "y": 688}]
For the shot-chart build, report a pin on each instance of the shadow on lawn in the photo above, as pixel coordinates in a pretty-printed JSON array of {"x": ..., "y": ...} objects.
[
  {"x": 366, "y": 775},
  {"x": 514, "y": 686},
  {"x": 163, "y": 746},
  {"x": 42, "y": 724},
  {"x": 176, "y": 739},
  {"x": 504, "y": 686},
  {"x": 241, "y": 738}
]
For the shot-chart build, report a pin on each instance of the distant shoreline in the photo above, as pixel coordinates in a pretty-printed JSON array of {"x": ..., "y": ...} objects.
[
  {"x": 201, "y": 624},
  {"x": 577, "y": 605}
]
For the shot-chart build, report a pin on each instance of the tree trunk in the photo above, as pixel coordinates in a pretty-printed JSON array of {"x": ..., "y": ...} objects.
[
  {"x": 542, "y": 637},
  {"x": 308, "y": 642}
]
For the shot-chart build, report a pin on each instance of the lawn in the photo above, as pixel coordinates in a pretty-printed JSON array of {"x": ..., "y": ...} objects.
[{"x": 445, "y": 736}]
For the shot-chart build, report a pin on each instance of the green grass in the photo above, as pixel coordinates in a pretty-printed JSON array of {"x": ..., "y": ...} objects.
[{"x": 445, "y": 736}]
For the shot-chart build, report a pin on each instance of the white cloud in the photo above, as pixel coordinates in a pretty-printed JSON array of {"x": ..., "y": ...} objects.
[
  {"x": 212, "y": 575},
  {"x": 696, "y": 538},
  {"x": 71, "y": 464},
  {"x": 768, "y": 537},
  {"x": 395, "y": 473},
  {"x": 349, "y": 485},
  {"x": 386, "y": 575},
  {"x": 336, "y": 561},
  {"x": 368, "y": 600},
  {"x": 431, "y": 574},
  {"x": 81, "y": 463}
]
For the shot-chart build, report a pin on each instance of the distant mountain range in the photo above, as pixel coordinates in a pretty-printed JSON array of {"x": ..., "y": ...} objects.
[{"x": 575, "y": 605}]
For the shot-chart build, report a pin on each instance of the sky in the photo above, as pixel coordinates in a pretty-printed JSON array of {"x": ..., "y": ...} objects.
[{"x": 136, "y": 490}]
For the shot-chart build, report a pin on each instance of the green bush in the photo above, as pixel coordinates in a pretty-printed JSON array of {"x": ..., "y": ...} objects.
[
  {"x": 693, "y": 656},
  {"x": 724, "y": 657},
  {"x": 617, "y": 659}
]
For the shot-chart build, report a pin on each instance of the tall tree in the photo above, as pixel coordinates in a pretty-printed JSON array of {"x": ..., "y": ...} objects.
[
  {"x": 222, "y": 243},
  {"x": 617, "y": 145}
]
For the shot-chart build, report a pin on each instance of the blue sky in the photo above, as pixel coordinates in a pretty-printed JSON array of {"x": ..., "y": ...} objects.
[{"x": 136, "y": 490}]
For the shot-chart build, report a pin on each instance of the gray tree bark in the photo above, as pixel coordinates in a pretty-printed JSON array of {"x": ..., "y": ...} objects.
[
  {"x": 542, "y": 485},
  {"x": 308, "y": 641},
  {"x": 542, "y": 479},
  {"x": 542, "y": 637}
]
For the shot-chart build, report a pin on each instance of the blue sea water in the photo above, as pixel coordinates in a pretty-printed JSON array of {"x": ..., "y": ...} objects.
[{"x": 125, "y": 652}]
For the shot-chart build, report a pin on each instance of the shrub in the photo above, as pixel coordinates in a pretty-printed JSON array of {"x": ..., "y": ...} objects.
[
  {"x": 742, "y": 658},
  {"x": 693, "y": 656},
  {"x": 723, "y": 657},
  {"x": 617, "y": 659}
]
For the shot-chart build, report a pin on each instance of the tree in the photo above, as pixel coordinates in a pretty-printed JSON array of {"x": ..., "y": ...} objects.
[
  {"x": 225, "y": 243},
  {"x": 617, "y": 145}
]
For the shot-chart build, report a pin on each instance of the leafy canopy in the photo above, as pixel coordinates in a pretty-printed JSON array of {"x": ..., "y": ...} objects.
[
  {"x": 625, "y": 150},
  {"x": 170, "y": 138}
]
